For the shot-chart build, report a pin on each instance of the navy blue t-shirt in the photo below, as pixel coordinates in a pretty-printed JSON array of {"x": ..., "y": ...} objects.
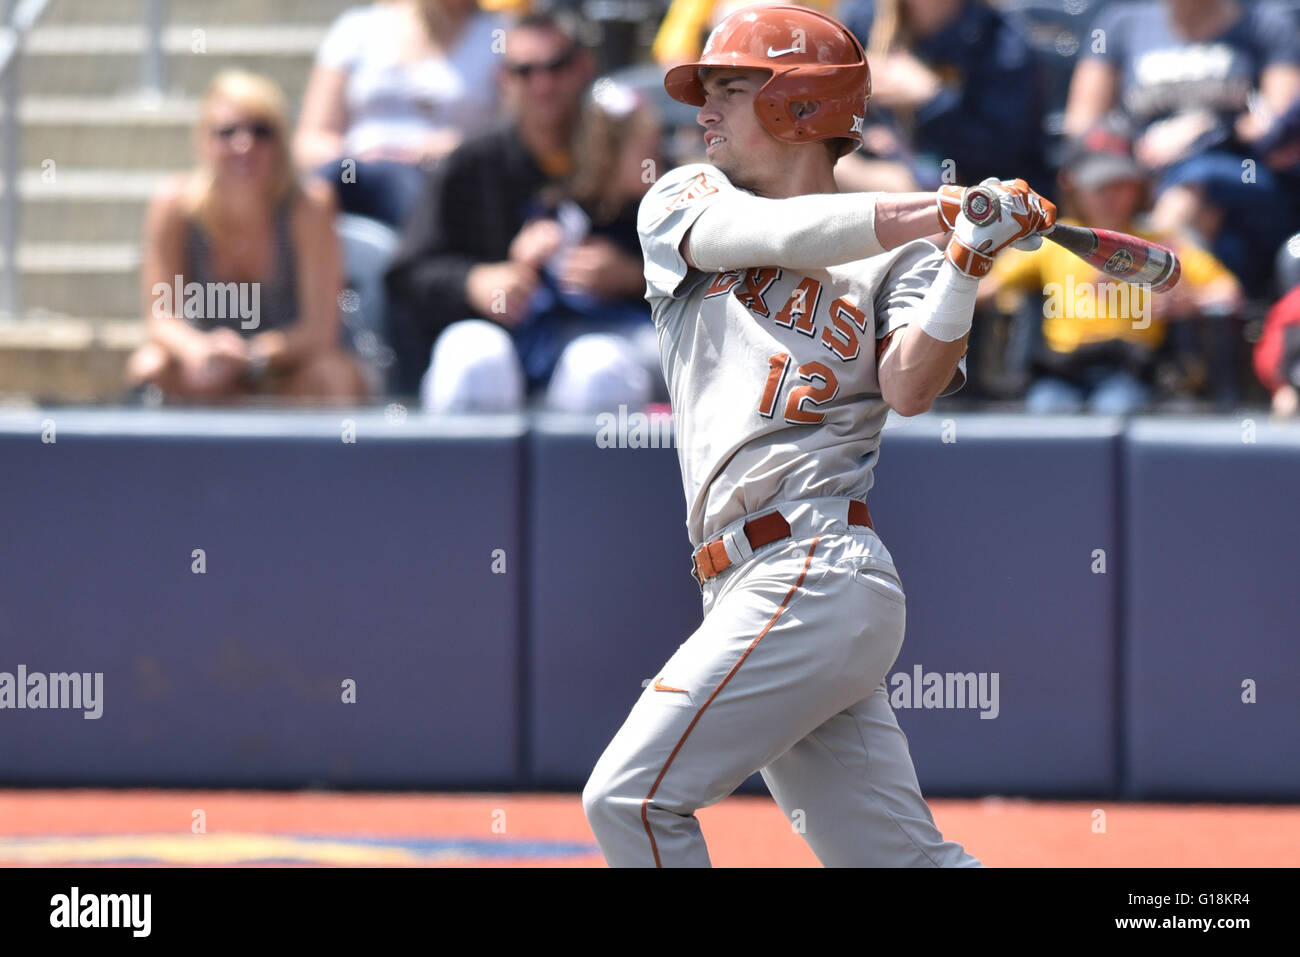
[
  {"x": 1162, "y": 74},
  {"x": 988, "y": 119}
]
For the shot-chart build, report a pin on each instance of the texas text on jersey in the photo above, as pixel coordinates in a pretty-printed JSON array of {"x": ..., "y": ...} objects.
[{"x": 795, "y": 410}]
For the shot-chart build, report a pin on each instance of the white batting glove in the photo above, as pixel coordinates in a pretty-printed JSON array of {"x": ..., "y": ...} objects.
[
  {"x": 949, "y": 202},
  {"x": 1029, "y": 243},
  {"x": 1019, "y": 217}
]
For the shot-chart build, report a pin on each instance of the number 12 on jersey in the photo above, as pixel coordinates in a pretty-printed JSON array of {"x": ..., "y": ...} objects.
[{"x": 821, "y": 387}]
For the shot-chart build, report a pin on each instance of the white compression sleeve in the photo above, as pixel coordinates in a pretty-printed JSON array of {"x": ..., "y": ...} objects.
[
  {"x": 802, "y": 232},
  {"x": 949, "y": 304}
]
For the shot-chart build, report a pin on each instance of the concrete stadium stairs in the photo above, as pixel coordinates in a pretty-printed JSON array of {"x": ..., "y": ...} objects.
[{"x": 93, "y": 149}]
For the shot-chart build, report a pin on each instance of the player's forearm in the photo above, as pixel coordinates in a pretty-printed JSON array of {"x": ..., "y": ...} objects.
[
  {"x": 914, "y": 371},
  {"x": 905, "y": 217}
]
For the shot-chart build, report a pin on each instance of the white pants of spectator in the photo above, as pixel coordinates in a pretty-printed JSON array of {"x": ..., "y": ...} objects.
[{"x": 475, "y": 369}]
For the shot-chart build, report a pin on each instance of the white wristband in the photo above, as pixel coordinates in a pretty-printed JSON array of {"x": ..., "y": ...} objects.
[{"x": 949, "y": 304}]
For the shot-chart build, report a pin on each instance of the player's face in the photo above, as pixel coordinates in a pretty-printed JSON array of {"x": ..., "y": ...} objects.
[{"x": 734, "y": 140}]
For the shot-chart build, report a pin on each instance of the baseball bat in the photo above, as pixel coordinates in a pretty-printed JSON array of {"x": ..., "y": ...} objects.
[{"x": 1120, "y": 255}]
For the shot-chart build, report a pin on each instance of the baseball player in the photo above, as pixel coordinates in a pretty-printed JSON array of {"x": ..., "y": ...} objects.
[{"x": 790, "y": 320}]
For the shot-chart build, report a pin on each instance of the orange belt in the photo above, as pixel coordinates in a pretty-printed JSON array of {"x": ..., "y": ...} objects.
[{"x": 711, "y": 559}]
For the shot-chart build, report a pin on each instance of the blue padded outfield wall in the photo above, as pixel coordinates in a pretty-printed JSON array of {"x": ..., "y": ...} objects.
[
  {"x": 993, "y": 533},
  {"x": 497, "y": 589},
  {"x": 326, "y": 561},
  {"x": 610, "y": 592},
  {"x": 1213, "y": 610}
]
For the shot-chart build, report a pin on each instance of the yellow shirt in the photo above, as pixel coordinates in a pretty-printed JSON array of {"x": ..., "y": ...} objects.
[
  {"x": 1082, "y": 304},
  {"x": 681, "y": 34}
]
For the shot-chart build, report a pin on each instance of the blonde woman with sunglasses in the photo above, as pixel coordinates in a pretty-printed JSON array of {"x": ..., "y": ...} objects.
[{"x": 241, "y": 267}]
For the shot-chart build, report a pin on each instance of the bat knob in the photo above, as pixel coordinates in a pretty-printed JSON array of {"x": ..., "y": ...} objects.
[{"x": 979, "y": 205}]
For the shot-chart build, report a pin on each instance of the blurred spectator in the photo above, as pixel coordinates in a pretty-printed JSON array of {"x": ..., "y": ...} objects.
[
  {"x": 956, "y": 94},
  {"x": 242, "y": 219},
  {"x": 491, "y": 238},
  {"x": 1277, "y": 354},
  {"x": 687, "y": 23},
  {"x": 1288, "y": 265},
  {"x": 454, "y": 260},
  {"x": 1205, "y": 81},
  {"x": 1101, "y": 336},
  {"x": 395, "y": 88},
  {"x": 588, "y": 335},
  {"x": 1280, "y": 147}
]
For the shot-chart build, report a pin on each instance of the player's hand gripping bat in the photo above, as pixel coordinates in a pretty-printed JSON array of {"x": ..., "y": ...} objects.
[{"x": 1116, "y": 254}]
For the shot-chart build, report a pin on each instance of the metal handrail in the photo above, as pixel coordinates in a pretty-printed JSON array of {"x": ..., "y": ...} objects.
[
  {"x": 19, "y": 17},
  {"x": 153, "y": 62}
]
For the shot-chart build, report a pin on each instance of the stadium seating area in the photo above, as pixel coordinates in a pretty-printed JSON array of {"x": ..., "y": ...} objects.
[
  {"x": 96, "y": 143},
  {"x": 103, "y": 124}
]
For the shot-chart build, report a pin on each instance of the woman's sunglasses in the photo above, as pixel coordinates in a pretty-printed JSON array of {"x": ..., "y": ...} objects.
[
  {"x": 554, "y": 65},
  {"x": 258, "y": 130}
]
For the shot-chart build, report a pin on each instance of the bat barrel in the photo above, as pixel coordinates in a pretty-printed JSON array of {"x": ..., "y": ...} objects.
[
  {"x": 1122, "y": 256},
  {"x": 1143, "y": 264}
]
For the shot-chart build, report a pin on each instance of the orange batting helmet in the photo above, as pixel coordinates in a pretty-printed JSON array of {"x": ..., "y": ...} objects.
[{"x": 813, "y": 58}]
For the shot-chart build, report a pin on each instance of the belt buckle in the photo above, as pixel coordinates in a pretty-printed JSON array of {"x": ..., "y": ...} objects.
[
  {"x": 695, "y": 564},
  {"x": 712, "y": 570}
]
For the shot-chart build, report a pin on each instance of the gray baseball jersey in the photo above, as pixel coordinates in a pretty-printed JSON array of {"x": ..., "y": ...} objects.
[
  {"x": 776, "y": 406},
  {"x": 772, "y": 372}
]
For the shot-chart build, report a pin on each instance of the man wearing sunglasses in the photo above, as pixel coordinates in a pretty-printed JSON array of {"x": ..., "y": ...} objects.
[
  {"x": 553, "y": 66},
  {"x": 473, "y": 248}
]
